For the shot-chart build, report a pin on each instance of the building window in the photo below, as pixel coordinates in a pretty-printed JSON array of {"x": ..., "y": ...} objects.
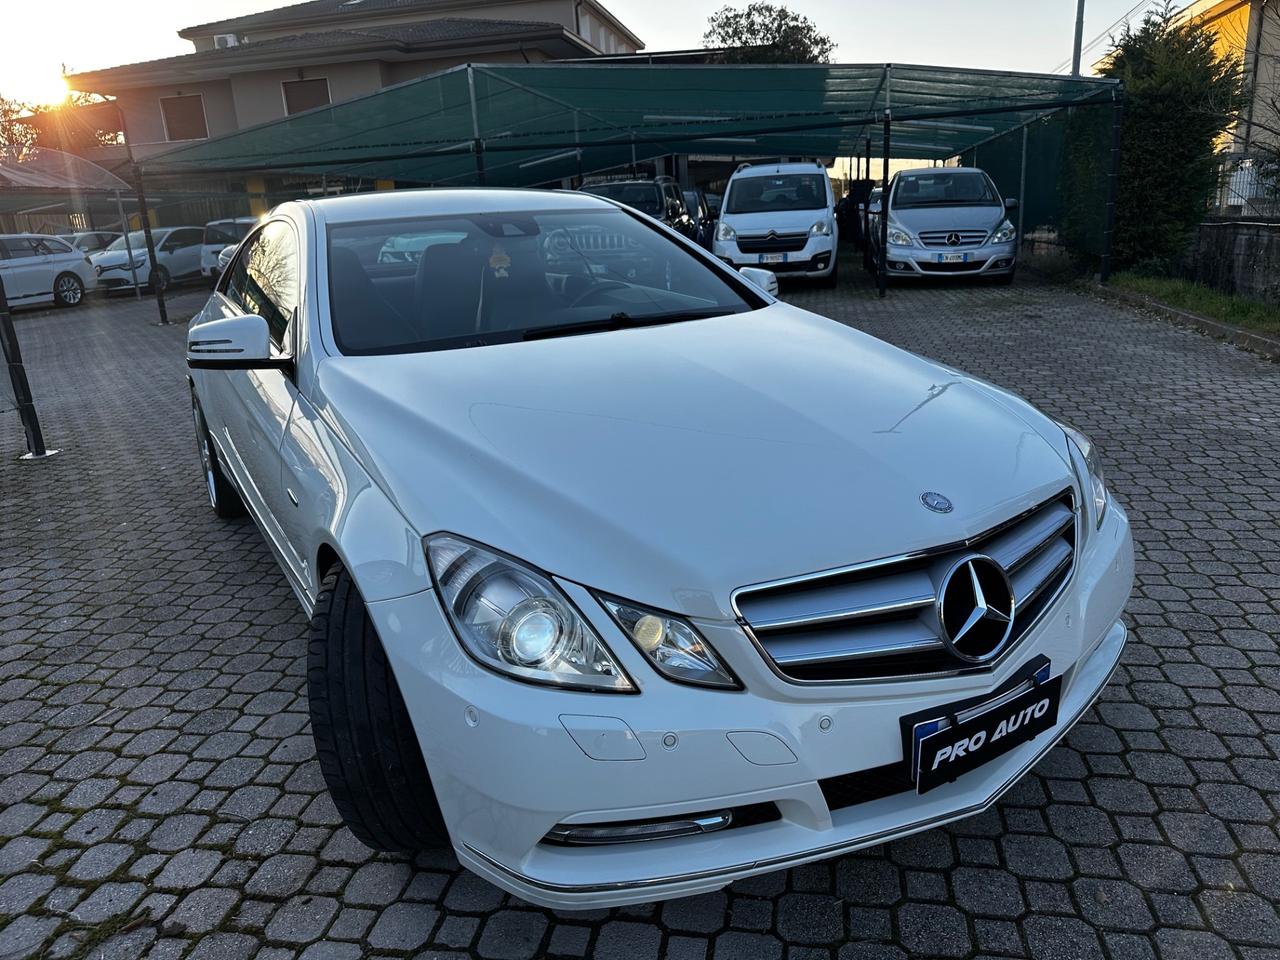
[
  {"x": 302, "y": 95},
  {"x": 184, "y": 118}
]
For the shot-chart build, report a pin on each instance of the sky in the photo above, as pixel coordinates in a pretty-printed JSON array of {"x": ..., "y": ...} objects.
[{"x": 40, "y": 38}]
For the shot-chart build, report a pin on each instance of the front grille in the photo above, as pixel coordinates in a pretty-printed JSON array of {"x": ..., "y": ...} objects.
[
  {"x": 951, "y": 267},
  {"x": 775, "y": 243},
  {"x": 877, "y": 620},
  {"x": 939, "y": 238}
]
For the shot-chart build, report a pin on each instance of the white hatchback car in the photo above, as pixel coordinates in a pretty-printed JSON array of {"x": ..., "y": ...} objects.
[
  {"x": 781, "y": 217},
  {"x": 177, "y": 258},
  {"x": 626, "y": 579},
  {"x": 43, "y": 269},
  {"x": 220, "y": 235}
]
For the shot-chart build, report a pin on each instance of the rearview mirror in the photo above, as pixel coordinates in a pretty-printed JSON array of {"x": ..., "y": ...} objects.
[
  {"x": 232, "y": 343},
  {"x": 1011, "y": 203},
  {"x": 766, "y": 280}
]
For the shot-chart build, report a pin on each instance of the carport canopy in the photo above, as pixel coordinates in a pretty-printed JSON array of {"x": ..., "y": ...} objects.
[{"x": 530, "y": 124}]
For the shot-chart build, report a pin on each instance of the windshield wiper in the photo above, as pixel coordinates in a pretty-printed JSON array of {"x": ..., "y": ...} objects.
[{"x": 621, "y": 321}]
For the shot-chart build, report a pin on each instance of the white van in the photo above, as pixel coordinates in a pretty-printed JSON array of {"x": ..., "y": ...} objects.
[
  {"x": 780, "y": 216},
  {"x": 218, "y": 235}
]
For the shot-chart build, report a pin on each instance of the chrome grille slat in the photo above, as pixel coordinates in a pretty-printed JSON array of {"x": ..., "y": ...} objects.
[
  {"x": 894, "y": 593},
  {"x": 1015, "y": 547},
  {"x": 878, "y": 620},
  {"x": 1034, "y": 576},
  {"x": 857, "y": 643}
]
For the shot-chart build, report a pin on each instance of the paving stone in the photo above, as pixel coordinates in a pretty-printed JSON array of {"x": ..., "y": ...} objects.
[{"x": 510, "y": 935}]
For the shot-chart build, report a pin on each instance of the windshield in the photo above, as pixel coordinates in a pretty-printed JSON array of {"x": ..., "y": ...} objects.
[
  {"x": 788, "y": 191},
  {"x": 644, "y": 197},
  {"x": 137, "y": 241},
  {"x": 498, "y": 278},
  {"x": 940, "y": 189},
  {"x": 225, "y": 231}
]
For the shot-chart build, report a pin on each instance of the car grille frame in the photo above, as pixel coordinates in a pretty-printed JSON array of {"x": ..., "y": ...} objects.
[
  {"x": 774, "y": 243},
  {"x": 968, "y": 238},
  {"x": 793, "y": 648}
]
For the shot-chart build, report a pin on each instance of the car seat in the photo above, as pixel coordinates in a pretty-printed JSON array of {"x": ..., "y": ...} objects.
[
  {"x": 446, "y": 289},
  {"x": 365, "y": 319}
]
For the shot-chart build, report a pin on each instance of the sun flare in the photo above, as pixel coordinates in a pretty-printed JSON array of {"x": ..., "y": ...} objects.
[{"x": 36, "y": 88}]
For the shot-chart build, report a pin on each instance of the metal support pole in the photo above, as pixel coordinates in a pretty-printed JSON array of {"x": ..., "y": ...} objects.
[
  {"x": 1022, "y": 187},
  {"x": 477, "y": 144},
  {"x": 882, "y": 263},
  {"x": 128, "y": 247},
  {"x": 1113, "y": 186},
  {"x": 1075, "y": 53},
  {"x": 18, "y": 378},
  {"x": 156, "y": 287}
]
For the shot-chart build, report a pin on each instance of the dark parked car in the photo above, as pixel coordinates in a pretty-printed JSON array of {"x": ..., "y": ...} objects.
[
  {"x": 660, "y": 198},
  {"x": 701, "y": 213}
]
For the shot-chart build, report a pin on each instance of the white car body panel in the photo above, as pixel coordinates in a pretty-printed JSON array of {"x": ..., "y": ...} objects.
[
  {"x": 802, "y": 445},
  {"x": 209, "y": 252},
  {"x": 182, "y": 262},
  {"x": 29, "y": 279}
]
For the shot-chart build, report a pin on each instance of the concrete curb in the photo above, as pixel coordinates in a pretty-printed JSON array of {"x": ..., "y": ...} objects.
[{"x": 1258, "y": 343}]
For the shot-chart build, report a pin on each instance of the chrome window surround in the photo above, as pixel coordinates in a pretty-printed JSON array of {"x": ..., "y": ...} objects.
[{"x": 1023, "y": 633}]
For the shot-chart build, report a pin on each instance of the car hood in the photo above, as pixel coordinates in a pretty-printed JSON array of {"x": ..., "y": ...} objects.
[
  {"x": 915, "y": 219},
  {"x": 779, "y": 221},
  {"x": 111, "y": 258},
  {"x": 673, "y": 464}
]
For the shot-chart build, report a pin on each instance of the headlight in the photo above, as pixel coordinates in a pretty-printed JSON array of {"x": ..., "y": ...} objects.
[
  {"x": 1004, "y": 233},
  {"x": 899, "y": 238},
  {"x": 821, "y": 229},
  {"x": 515, "y": 620},
  {"x": 672, "y": 645},
  {"x": 725, "y": 232},
  {"x": 1095, "y": 484}
]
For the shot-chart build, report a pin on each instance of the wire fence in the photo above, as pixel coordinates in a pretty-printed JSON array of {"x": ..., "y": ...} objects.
[{"x": 1248, "y": 186}]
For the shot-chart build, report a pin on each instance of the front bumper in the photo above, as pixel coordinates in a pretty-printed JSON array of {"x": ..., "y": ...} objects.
[
  {"x": 988, "y": 260},
  {"x": 815, "y": 259},
  {"x": 506, "y": 769}
]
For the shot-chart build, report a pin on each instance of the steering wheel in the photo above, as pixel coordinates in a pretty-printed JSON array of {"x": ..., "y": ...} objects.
[{"x": 599, "y": 287}]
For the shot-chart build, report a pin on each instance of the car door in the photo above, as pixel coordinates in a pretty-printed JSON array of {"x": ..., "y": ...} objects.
[
  {"x": 62, "y": 257},
  {"x": 247, "y": 410},
  {"x": 27, "y": 274},
  {"x": 180, "y": 252}
]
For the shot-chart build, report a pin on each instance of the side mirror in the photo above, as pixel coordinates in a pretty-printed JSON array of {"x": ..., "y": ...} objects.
[
  {"x": 231, "y": 343},
  {"x": 1011, "y": 203},
  {"x": 766, "y": 280}
]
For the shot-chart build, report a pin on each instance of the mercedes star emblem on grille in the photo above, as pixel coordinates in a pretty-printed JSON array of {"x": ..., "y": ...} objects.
[
  {"x": 975, "y": 608},
  {"x": 935, "y": 502},
  {"x": 953, "y": 239}
]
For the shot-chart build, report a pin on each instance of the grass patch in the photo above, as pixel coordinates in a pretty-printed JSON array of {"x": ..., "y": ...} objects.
[{"x": 1185, "y": 295}]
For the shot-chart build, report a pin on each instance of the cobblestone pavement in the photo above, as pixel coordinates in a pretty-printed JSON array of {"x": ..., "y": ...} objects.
[{"x": 159, "y": 795}]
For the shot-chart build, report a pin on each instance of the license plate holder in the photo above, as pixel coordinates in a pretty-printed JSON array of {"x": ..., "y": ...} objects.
[
  {"x": 953, "y": 258},
  {"x": 941, "y": 742},
  {"x": 773, "y": 258}
]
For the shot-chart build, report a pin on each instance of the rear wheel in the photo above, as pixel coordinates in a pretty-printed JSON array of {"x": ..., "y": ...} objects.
[
  {"x": 223, "y": 497},
  {"x": 68, "y": 290},
  {"x": 368, "y": 750}
]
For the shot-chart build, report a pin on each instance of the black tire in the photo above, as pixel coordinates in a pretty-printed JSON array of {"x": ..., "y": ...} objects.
[
  {"x": 366, "y": 744},
  {"x": 159, "y": 279},
  {"x": 223, "y": 496},
  {"x": 68, "y": 290}
]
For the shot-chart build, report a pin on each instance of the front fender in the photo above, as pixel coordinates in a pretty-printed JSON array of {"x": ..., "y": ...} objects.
[{"x": 340, "y": 507}]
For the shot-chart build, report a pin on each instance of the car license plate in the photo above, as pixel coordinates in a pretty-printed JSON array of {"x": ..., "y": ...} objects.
[
  {"x": 953, "y": 258},
  {"x": 773, "y": 258},
  {"x": 983, "y": 733}
]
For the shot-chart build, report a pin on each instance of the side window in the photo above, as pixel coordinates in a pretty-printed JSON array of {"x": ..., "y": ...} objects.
[
  {"x": 190, "y": 238},
  {"x": 56, "y": 246},
  {"x": 20, "y": 247},
  {"x": 263, "y": 278}
]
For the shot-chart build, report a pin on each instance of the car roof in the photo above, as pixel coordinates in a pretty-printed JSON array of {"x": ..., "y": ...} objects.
[
  {"x": 922, "y": 171},
  {"x": 232, "y": 220},
  {"x": 773, "y": 169},
  {"x": 442, "y": 201}
]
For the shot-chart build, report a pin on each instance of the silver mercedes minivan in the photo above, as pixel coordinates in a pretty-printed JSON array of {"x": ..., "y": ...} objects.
[{"x": 948, "y": 221}]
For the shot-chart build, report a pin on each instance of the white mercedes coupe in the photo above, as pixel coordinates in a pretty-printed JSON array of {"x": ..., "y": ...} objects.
[{"x": 626, "y": 579}]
